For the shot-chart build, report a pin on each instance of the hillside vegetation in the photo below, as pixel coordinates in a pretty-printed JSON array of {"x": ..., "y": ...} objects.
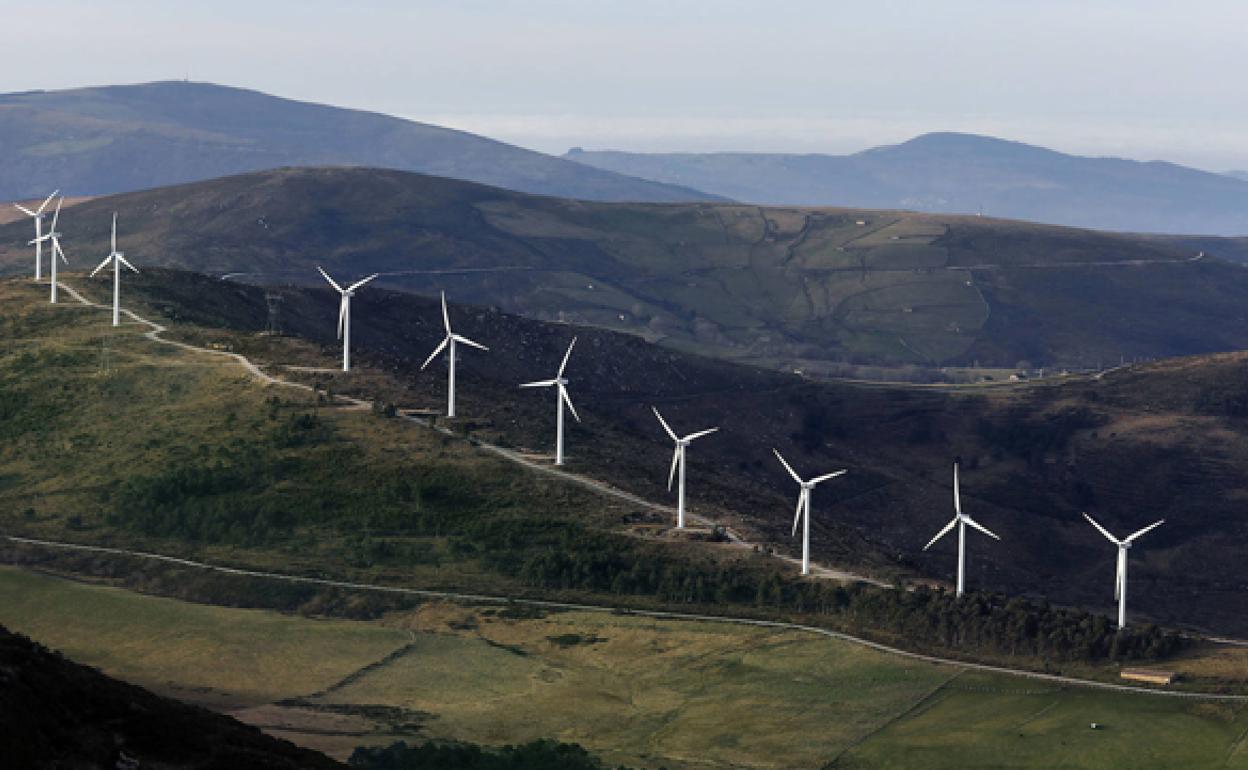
[
  {"x": 91, "y": 141},
  {"x": 963, "y": 174},
  {"x": 787, "y": 288}
]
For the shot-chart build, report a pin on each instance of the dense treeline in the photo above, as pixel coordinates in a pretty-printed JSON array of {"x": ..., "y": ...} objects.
[{"x": 535, "y": 755}]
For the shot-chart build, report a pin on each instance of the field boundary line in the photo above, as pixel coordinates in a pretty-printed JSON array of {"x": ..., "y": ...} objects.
[{"x": 457, "y": 596}]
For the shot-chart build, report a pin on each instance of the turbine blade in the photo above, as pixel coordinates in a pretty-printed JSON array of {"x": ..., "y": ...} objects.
[
  {"x": 324, "y": 274},
  {"x": 671, "y": 474},
  {"x": 446, "y": 318},
  {"x": 663, "y": 422},
  {"x": 827, "y": 476},
  {"x": 101, "y": 266},
  {"x": 942, "y": 533},
  {"x": 46, "y": 201},
  {"x": 441, "y": 346},
  {"x": 801, "y": 503},
  {"x": 361, "y": 282},
  {"x": 539, "y": 384},
  {"x": 1103, "y": 531},
  {"x": 342, "y": 314},
  {"x": 980, "y": 527},
  {"x": 114, "y": 232},
  {"x": 24, "y": 210},
  {"x": 1154, "y": 525},
  {"x": 787, "y": 467},
  {"x": 468, "y": 342},
  {"x": 127, "y": 263},
  {"x": 566, "y": 356},
  {"x": 56, "y": 247},
  {"x": 563, "y": 393},
  {"x": 57, "y": 214},
  {"x": 700, "y": 434}
]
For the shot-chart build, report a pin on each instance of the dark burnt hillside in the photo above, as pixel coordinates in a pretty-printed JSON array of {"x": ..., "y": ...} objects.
[
  {"x": 55, "y": 713},
  {"x": 1164, "y": 440}
]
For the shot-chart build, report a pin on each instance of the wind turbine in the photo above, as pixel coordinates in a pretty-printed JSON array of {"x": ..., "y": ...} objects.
[
  {"x": 678, "y": 459},
  {"x": 561, "y": 398},
  {"x": 37, "y": 215},
  {"x": 803, "y": 506},
  {"x": 54, "y": 238},
  {"x": 960, "y": 520},
  {"x": 344, "y": 314},
  {"x": 1120, "y": 580},
  {"x": 449, "y": 342},
  {"x": 118, "y": 259}
]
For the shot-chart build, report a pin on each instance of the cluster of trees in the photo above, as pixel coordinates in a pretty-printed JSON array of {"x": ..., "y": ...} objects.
[
  {"x": 987, "y": 624},
  {"x": 536, "y": 755}
]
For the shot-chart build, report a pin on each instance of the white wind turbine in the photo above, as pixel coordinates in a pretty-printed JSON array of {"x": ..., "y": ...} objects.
[
  {"x": 37, "y": 215},
  {"x": 960, "y": 520},
  {"x": 344, "y": 314},
  {"x": 118, "y": 259},
  {"x": 678, "y": 459},
  {"x": 53, "y": 237},
  {"x": 1120, "y": 579},
  {"x": 449, "y": 341},
  {"x": 561, "y": 397},
  {"x": 803, "y": 506}
]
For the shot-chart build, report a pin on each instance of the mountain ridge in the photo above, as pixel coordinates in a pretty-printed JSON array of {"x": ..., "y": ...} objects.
[
  {"x": 952, "y": 172},
  {"x": 110, "y": 139}
]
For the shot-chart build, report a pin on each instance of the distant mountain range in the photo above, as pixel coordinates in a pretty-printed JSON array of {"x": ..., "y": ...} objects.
[
  {"x": 781, "y": 287},
  {"x": 963, "y": 173},
  {"x": 91, "y": 141}
]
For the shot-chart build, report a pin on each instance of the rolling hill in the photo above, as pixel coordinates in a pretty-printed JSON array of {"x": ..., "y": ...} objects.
[
  {"x": 90, "y": 141},
  {"x": 963, "y": 173},
  {"x": 1034, "y": 457},
  {"x": 787, "y": 288}
]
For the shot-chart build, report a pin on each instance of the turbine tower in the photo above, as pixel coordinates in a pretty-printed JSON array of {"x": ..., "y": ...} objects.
[
  {"x": 803, "y": 506},
  {"x": 678, "y": 459},
  {"x": 37, "y": 215},
  {"x": 118, "y": 259},
  {"x": 344, "y": 314},
  {"x": 1120, "y": 579},
  {"x": 561, "y": 398},
  {"x": 960, "y": 520},
  {"x": 53, "y": 237},
  {"x": 449, "y": 342}
]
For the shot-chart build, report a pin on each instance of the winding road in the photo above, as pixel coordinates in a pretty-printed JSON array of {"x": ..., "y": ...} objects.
[{"x": 154, "y": 334}]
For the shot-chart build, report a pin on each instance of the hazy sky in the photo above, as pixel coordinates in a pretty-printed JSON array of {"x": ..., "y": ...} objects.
[{"x": 1136, "y": 78}]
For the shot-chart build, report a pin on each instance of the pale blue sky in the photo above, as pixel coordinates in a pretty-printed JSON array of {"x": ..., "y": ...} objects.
[{"x": 1142, "y": 79}]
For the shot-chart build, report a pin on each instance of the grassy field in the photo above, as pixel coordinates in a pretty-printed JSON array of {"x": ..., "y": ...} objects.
[{"x": 634, "y": 690}]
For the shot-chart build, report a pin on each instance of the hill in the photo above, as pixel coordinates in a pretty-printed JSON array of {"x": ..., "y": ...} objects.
[
  {"x": 1034, "y": 457},
  {"x": 55, "y": 713},
  {"x": 787, "y": 288},
  {"x": 963, "y": 173},
  {"x": 90, "y": 141}
]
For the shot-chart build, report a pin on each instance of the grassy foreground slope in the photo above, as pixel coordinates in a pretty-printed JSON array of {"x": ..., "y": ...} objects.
[
  {"x": 781, "y": 287},
  {"x": 631, "y": 689}
]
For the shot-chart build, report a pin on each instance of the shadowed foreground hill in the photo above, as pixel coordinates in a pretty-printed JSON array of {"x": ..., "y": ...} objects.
[
  {"x": 55, "y": 713},
  {"x": 91, "y": 141},
  {"x": 779, "y": 287}
]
